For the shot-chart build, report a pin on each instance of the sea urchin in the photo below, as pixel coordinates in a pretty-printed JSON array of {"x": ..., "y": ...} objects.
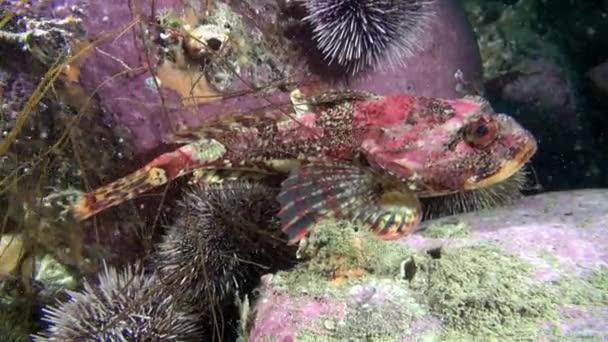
[
  {"x": 225, "y": 237},
  {"x": 500, "y": 194},
  {"x": 358, "y": 34},
  {"x": 124, "y": 306}
]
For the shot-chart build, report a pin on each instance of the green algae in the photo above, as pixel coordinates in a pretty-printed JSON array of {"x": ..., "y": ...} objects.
[
  {"x": 590, "y": 291},
  {"x": 16, "y": 325},
  {"x": 54, "y": 276},
  {"x": 17, "y": 311},
  {"x": 482, "y": 291},
  {"x": 332, "y": 250},
  {"x": 168, "y": 19},
  {"x": 549, "y": 258},
  {"x": 508, "y": 34},
  {"x": 446, "y": 230},
  {"x": 335, "y": 248},
  {"x": 366, "y": 319},
  {"x": 476, "y": 291}
]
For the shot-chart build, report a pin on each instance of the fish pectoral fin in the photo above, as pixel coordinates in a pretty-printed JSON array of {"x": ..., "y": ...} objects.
[
  {"x": 344, "y": 191},
  {"x": 395, "y": 214}
]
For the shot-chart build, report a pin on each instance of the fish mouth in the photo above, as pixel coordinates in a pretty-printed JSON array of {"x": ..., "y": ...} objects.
[{"x": 507, "y": 170}]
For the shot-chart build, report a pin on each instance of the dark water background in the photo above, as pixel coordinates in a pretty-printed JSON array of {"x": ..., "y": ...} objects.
[{"x": 574, "y": 35}]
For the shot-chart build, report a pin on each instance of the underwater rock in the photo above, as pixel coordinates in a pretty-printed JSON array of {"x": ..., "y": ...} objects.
[
  {"x": 522, "y": 61},
  {"x": 538, "y": 83},
  {"x": 447, "y": 65},
  {"x": 47, "y": 41},
  {"x": 533, "y": 66},
  {"x": 599, "y": 76},
  {"x": 250, "y": 53},
  {"x": 39, "y": 162},
  {"x": 538, "y": 269},
  {"x": 53, "y": 137}
]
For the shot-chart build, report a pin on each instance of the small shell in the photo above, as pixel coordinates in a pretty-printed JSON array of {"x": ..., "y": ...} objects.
[
  {"x": 204, "y": 40},
  {"x": 11, "y": 251}
]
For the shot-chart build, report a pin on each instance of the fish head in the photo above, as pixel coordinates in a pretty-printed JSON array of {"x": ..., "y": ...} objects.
[{"x": 437, "y": 147}]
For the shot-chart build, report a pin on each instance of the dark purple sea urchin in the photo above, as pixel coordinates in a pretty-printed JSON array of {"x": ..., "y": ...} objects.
[
  {"x": 224, "y": 238},
  {"x": 501, "y": 194},
  {"x": 358, "y": 34},
  {"x": 125, "y": 306}
]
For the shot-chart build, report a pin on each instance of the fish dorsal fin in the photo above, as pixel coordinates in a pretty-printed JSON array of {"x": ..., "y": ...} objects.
[
  {"x": 216, "y": 127},
  {"x": 298, "y": 106},
  {"x": 344, "y": 192},
  {"x": 229, "y": 121},
  {"x": 330, "y": 97}
]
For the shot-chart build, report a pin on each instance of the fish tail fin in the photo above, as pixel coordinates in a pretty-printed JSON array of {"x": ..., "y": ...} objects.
[
  {"x": 117, "y": 192},
  {"x": 159, "y": 171}
]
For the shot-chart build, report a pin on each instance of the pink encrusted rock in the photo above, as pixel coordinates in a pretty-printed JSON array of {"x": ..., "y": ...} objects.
[
  {"x": 562, "y": 236},
  {"x": 448, "y": 65},
  {"x": 117, "y": 68},
  {"x": 572, "y": 226}
]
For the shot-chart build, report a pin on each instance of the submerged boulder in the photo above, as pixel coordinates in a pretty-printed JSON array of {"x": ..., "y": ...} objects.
[
  {"x": 158, "y": 68},
  {"x": 538, "y": 269}
]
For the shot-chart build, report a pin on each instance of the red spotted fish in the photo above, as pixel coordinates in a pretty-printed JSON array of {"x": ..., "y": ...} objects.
[{"x": 345, "y": 155}]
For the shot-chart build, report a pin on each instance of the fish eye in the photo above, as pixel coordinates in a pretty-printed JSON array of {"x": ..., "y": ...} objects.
[{"x": 480, "y": 133}]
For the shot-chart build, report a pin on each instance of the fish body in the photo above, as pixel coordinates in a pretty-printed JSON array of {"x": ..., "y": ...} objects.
[{"x": 347, "y": 155}]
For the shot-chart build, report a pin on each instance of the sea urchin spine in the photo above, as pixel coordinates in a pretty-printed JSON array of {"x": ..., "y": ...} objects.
[
  {"x": 224, "y": 238},
  {"x": 125, "y": 306},
  {"x": 501, "y": 194},
  {"x": 358, "y": 34}
]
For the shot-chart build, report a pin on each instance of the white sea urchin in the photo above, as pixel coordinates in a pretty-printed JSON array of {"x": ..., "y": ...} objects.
[
  {"x": 358, "y": 34},
  {"x": 125, "y": 306}
]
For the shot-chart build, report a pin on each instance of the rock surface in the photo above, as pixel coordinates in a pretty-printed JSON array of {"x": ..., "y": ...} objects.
[
  {"x": 538, "y": 269},
  {"x": 117, "y": 70},
  {"x": 599, "y": 76},
  {"x": 523, "y": 64}
]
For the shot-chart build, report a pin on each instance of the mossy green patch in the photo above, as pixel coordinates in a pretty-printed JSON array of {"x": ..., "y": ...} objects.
[
  {"x": 481, "y": 291},
  {"x": 369, "y": 316},
  {"x": 590, "y": 291},
  {"x": 17, "y": 316},
  {"x": 335, "y": 249},
  {"x": 446, "y": 230},
  {"x": 476, "y": 291},
  {"x": 391, "y": 319},
  {"x": 169, "y": 20},
  {"x": 550, "y": 258},
  {"x": 16, "y": 325}
]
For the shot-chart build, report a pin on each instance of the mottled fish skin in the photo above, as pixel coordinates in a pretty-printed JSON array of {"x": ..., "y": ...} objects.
[
  {"x": 268, "y": 142},
  {"x": 391, "y": 150}
]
